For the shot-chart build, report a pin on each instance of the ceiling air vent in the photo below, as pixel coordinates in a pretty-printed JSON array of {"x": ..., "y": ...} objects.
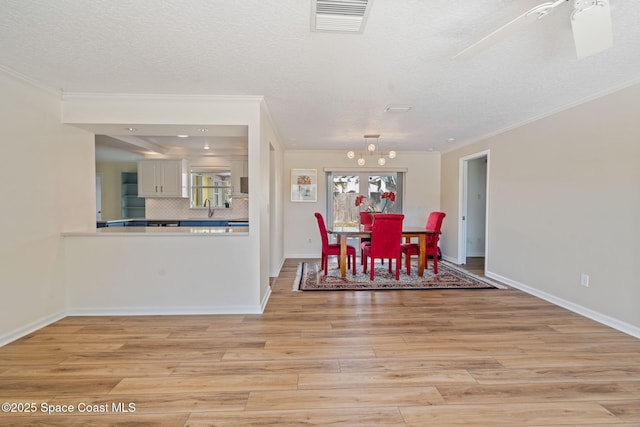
[{"x": 342, "y": 16}]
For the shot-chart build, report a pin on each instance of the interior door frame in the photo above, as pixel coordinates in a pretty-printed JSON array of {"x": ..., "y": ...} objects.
[
  {"x": 98, "y": 196},
  {"x": 462, "y": 206}
]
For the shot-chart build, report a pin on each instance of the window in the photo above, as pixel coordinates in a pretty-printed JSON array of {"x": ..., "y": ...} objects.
[
  {"x": 345, "y": 187},
  {"x": 212, "y": 186}
]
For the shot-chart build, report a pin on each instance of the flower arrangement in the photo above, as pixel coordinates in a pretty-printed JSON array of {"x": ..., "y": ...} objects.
[
  {"x": 370, "y": 207},
  {"x": 388, "y": 196}
]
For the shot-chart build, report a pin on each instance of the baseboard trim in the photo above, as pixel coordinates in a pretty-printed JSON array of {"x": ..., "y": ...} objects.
[
  {"x": 163, "y": 311},
  {"x": 303, "y": 256},
  {"x": 265, "y": 300},
  {"x": 277, "y": 273},
  {"x": 576, "y": 308},
  {"x": 132, "y": 311},
  {"x": 450, "y": 259},
  {"x": 475, "y": 254},
  {"x": 31, "y": 327}
]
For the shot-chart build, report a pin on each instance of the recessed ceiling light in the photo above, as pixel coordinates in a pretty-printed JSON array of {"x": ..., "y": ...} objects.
[
  {"x": 131, "y": 129},
  {"x": 206, "y": 146},
  {"x": 203, "y": 130},
  {"x": 450, "y": 139},
  {"x": 182, "y": 136},
  {"x": 397, "y": 108}
]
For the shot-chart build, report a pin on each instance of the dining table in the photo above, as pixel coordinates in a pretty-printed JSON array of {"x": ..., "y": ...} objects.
[{"x": 408, "y": 232}]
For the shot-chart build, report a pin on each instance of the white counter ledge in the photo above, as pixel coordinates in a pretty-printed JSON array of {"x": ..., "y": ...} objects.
[{"x": 163, "y": 231}]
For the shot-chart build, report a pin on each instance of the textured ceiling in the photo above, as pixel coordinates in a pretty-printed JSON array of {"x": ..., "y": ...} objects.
[{"x": 325, "y": 90}]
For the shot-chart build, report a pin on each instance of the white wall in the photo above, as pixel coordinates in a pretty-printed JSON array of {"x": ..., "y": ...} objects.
[
  {"x": 112, "y": 187},
  {"x": 301, "y": 236},
  {"x": 160, "y": 275},
  {"x": 47, "y": 184},
  {"x": 244, "y": 280},
  {"x": 564, "y": 199},
  {"x": 276, "y": 196}
]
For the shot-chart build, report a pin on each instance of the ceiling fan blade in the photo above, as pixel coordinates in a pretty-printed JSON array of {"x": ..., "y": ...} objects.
[
  {"x": 591, "y": 25},
  {"x": 507, "y": 29}
]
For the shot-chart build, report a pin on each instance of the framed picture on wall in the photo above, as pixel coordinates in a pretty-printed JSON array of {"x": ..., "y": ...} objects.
[{"x": 304, "y": 185}]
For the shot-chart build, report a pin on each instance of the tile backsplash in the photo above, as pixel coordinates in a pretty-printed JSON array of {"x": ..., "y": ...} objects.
[{"x": 176, "y": 208}]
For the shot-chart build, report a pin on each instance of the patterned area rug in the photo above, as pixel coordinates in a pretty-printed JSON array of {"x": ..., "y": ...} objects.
[{"x": 311, "y": 277}]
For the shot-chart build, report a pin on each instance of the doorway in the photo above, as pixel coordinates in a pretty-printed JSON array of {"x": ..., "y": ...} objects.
[{"x": 472, "y": 228}]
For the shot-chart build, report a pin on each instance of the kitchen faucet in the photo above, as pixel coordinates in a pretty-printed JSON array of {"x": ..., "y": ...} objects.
[{"x": 210, "y": 211}]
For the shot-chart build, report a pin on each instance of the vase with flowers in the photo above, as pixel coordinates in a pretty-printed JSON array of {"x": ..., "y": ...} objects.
[{"x": 389, "y": 199}]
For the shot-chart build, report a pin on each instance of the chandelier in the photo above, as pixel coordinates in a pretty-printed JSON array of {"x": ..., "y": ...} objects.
[{"x": 371, "y": 149}]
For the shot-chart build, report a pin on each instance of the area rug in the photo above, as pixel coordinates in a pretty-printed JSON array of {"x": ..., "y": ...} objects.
[{"x": 311, "y": 277}]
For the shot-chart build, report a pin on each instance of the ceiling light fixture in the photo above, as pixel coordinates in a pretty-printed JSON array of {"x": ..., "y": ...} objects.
[
  {"x": 203, "y": 130},
  {"x": 397, "y": 108},
  {"x": 371, "y": 148},
  {"x": 182, "y": 136},
  {"x": 131, "y": 129},
  {"x": 206, "y": 146}
]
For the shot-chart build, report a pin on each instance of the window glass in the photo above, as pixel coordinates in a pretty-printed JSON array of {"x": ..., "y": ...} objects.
[
  {"x": 347, "y": 187},
  {"x": 210, "y": 186}
]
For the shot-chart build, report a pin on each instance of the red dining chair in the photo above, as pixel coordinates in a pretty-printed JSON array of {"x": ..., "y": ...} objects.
[
  {"x": 333, "y": 249},
  {"x": 434, "y": 222},
  {"x": 366, "y": 221},
  {"x": 386, "y": 237}
]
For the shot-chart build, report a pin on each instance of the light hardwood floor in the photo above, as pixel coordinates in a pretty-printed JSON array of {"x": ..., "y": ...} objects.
[{"x": 393, "y": 358}]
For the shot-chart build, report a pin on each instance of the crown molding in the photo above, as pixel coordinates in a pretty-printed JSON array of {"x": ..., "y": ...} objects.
[
  {"x": 31, "y": 82},
  {"x": 163, "y": 97}
]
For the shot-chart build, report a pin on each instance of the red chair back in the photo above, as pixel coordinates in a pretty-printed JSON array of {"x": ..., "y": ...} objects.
[
  {"x": 386, "y": 235},
  {"x": 366, "y": 220},
  {"x": 434, "y": 222},
  {"x": 323, "y": 231}
]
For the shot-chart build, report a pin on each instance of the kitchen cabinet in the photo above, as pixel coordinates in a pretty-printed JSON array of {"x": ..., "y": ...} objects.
[
  {"x": 132, "y": 205},
  {"x": 239, "y": 170},
  {"x": 212, "y": 223},
  {"x": 203, "y": 223},
  {"x": 137, "y": 223},
  {"x": 163, "y": 178}
]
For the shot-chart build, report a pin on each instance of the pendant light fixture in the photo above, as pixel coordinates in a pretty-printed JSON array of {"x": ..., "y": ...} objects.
[{"x": 371, "y": 149}]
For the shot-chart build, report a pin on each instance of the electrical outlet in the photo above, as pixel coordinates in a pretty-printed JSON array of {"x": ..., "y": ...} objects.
[{"x": 584, "y": 280}]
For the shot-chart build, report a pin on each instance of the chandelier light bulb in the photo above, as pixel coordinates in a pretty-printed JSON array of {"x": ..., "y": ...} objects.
[{"x": 372, "y": 150}]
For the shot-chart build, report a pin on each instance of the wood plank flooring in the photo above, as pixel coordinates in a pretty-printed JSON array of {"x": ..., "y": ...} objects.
[{"x": 392, "y": 358}]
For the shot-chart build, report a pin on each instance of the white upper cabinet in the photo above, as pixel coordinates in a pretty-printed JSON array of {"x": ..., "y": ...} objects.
[
  {"x": 239, "y": 170},
  {"x": 163, "y": 178}
]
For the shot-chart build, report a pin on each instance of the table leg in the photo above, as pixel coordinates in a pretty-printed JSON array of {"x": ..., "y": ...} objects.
[
  {"x": 343, "y": 255},
  {"x": 422, "y": 240}
]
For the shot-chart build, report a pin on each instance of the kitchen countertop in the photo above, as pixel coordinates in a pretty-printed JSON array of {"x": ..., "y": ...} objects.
[
  {"x": 164, "y": 231},
  {"x": 171, "y": 220}
]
